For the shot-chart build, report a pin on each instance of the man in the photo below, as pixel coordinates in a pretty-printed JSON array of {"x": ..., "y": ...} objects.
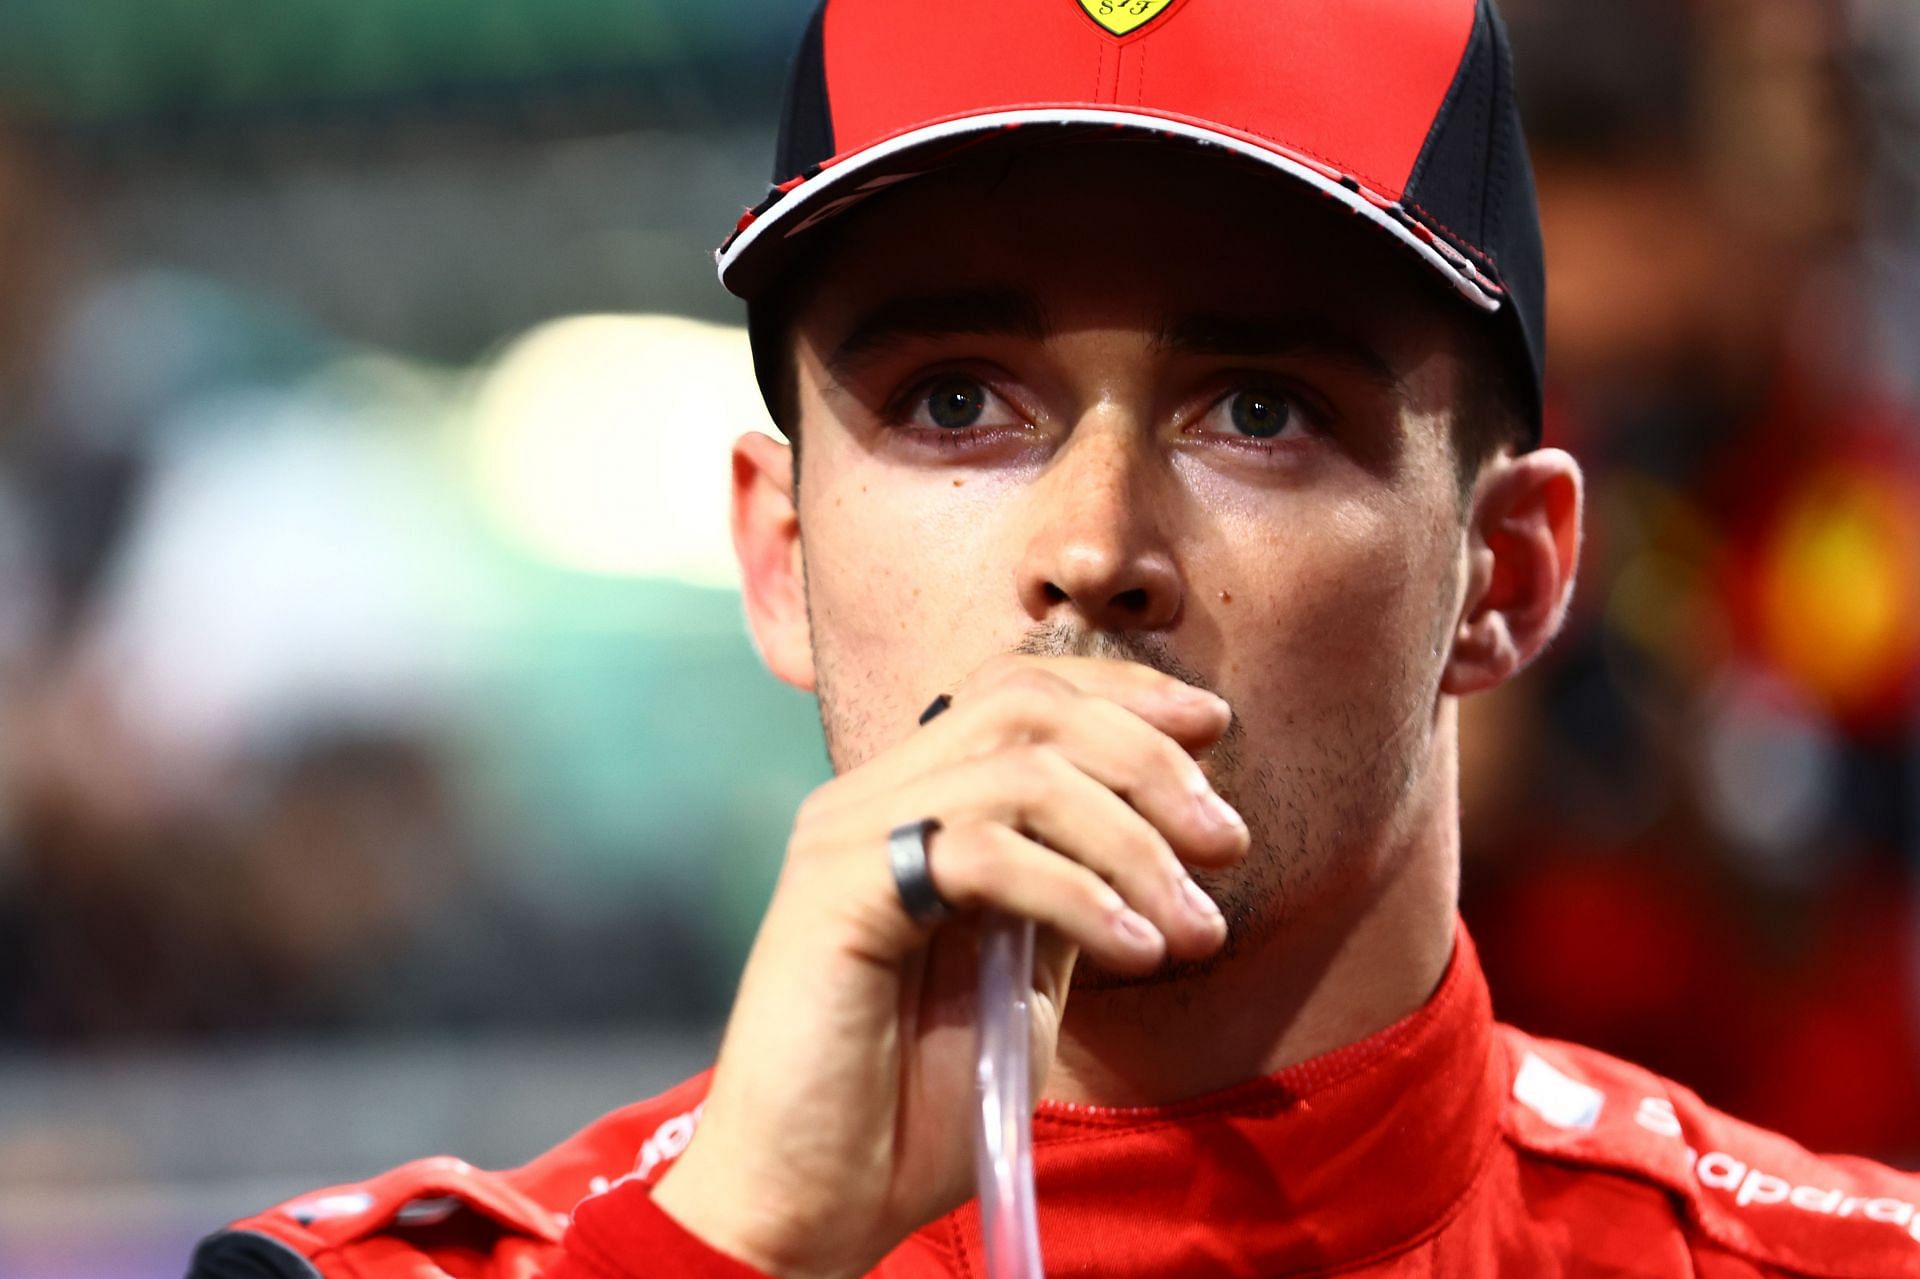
[{"x": 1161, "y": 380}]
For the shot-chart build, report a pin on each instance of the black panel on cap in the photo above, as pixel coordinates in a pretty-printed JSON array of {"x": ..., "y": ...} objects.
[
  {"x": 806, "y": 139},
  {"x": 806, "y": 119},
  {"x": 1473, "y": 184}
]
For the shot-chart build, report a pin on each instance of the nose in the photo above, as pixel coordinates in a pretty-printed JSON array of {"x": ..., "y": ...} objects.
[{"x": 1098, "y": 548}]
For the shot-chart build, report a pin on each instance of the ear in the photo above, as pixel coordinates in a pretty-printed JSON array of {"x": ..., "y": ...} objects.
[
  {"x": 1522, "y": 547},
  {"x": 766, "y": 540}
]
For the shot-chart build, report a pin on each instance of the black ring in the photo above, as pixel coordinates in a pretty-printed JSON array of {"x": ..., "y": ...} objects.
[
  {"x": 907, "y": 857},
  {"x": 936, "y": 706}
]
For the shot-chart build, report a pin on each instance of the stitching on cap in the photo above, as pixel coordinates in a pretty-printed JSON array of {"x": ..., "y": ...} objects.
[
  {"x": 1454, "y": 238},
  {"x": 1373, "y": 184}
]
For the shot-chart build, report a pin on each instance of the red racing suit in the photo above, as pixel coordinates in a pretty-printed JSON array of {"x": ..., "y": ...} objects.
[{"x": 1445, "y": 1145}]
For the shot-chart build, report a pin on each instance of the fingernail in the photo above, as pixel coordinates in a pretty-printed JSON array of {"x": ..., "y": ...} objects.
[
  {"x": 1198, "y": 902},
  {"x": 1134, "y": 929},
  {"x": 1218, "y": 812},
  {"x": 1199, "y": 696}
]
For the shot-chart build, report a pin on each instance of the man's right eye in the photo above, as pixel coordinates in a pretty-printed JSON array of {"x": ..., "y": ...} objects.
[{"x": 955, "y": 402}]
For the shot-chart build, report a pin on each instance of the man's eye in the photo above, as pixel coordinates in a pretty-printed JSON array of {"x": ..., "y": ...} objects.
[
  {"x": 952, "y": 407},
  {"x": 952, "y": 402},
  {"x": 1262, "y": 414}
]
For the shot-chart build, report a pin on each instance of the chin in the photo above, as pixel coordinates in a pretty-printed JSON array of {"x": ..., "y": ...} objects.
[
  {"x": 1089, "y": 977},
  {"x": 1255, "y": 896}
]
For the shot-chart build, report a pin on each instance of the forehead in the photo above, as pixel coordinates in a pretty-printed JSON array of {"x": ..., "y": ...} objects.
[{"x": 1127, "y": 232}]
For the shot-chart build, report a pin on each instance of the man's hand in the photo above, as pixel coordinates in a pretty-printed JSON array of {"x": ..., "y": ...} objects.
[{"x": 836, "y": 1123}]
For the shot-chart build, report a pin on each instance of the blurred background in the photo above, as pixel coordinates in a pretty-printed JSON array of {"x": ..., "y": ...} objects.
[{"x": 368, "y": 657}]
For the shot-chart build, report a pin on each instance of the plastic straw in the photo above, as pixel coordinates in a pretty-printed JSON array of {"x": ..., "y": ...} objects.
[{"x": 1003, "y": 1139}]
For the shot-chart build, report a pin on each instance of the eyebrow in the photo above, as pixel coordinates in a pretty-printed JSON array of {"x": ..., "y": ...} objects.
[
  {"x": 1009, "y": 313},
  {"x": 1259, "y": 336},
  {"x": 924, "y": 316}
]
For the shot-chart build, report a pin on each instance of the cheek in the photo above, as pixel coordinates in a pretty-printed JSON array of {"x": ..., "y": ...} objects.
[
  {"x": 1339, "y": 613},
  {"x": 905, "y": 591}
]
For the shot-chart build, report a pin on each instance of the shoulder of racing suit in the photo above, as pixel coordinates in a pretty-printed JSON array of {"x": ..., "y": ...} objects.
[
  {"x": 1748, "y": 1195},
  {"x": 443, "y": 1216},
  {"x": 1739, "y": 1189}
]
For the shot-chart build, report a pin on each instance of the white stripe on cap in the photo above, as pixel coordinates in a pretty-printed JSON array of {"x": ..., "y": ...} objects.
[{"x": 805, "y": 199}]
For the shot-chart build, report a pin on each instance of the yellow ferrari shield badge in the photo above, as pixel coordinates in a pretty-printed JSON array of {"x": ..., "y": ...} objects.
[{"x": 1123, "y": 16}]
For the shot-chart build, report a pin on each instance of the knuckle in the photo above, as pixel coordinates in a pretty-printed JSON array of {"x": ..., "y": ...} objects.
[
  {"x": 1176, "y": 770},
  {"x": 1032, "y": 720},
  {"x": 811, "y": 814},
  {"x": 1157, "y": 763},
  {"x": 990, "y": 674},
  {"x": 1095, "y": 895},
  {"x": 1147, "y": 746},
  {"x": 1137, "y": 852},
  {"x": 992, "y": 848},
  {"x": 962, "y": 858},
  {"x": 1150, "y": 855},
  {"x": 1021, "y": 715},
  {"x": 1028, "y": 684},
  {"x": 1003, "y": 666},
  {"x": 1036, "y": 771}
]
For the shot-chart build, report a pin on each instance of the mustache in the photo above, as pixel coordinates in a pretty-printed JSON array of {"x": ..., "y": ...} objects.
[{"x": 1059, "y": 639}]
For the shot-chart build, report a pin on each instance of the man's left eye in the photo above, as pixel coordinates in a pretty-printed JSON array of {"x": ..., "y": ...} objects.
[
  {"x": 1260, "y": 414},
  {"x": 955, "y": 403}
]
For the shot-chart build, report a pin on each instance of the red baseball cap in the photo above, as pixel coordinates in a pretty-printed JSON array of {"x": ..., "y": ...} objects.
[{"x": 1400, "y": 110}]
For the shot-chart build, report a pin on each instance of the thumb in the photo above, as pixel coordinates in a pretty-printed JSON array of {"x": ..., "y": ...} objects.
[{"x": 1054, "y": 955}]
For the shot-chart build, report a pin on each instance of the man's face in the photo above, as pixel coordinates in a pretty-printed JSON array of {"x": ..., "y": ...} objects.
[{"x": 1123, "y": 399}]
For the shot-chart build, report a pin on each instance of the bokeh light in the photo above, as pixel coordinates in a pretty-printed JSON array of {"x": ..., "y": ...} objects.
[{"x": 589, "y": 433}]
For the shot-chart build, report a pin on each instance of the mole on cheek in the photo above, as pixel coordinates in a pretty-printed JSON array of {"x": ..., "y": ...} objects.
[{"x": 1226, "y": 597}]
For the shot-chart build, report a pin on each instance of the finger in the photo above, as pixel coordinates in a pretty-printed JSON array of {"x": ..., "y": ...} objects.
[
  {"x": 1054, "y": 955},
  {"x": 1192, "y": 716},
  {"x": 1038, "y": 792},
  {"x": 1114, "y": 746},
  {"x": 978, "y": 865},
  {"x": 1024, "y": 699},
  {"x": 1144, "y": 767}
]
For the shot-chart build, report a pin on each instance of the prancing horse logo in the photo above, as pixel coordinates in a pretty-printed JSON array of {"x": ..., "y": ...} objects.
[{"x": 1123, "y": 16}]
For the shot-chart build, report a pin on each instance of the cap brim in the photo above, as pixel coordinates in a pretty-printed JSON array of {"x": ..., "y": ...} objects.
[{"x": 753, "y": 255}]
